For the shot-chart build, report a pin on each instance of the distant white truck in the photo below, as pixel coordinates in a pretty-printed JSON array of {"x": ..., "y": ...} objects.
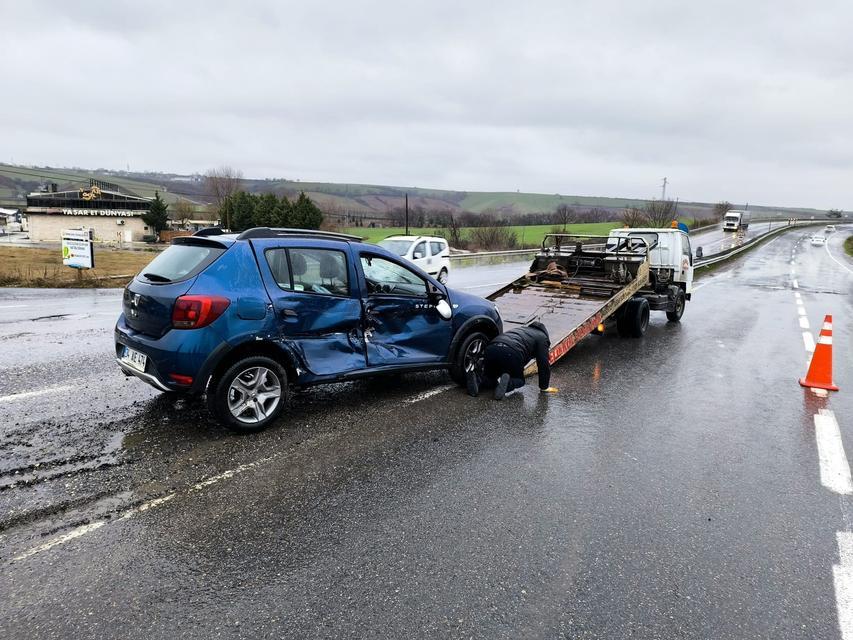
[{"x": 736, "y": 220}]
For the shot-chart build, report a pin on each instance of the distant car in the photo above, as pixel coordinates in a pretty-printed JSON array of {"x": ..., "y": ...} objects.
[
  {"x": 818, "y": 241},
  {"x": 830, "y": 228},
  {"x": 242, "y": 318},
  {"x": 833, "y": 214},
  {"x": 430, "y": 253}
]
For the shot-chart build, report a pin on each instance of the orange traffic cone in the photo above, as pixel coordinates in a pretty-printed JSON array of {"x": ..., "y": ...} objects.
[{"x": 820, "y": 368}]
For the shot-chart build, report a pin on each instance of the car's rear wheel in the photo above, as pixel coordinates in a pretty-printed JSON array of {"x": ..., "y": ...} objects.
[
  {"x": 442, "y": 276},
  {"x": 469, "y": 357},
  {"x": 249, "y": 395}
]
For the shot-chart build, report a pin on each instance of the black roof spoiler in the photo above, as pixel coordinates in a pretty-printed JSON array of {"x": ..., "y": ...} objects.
[
  {"x": 268, "y": 232},
  {"x": 210, "y": 231}
]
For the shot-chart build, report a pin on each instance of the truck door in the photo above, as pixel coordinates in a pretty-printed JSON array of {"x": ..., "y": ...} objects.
[
  {"x": 314, "y": 293},
  {"x": 686, "y": 264},
  {"x": 401, "y": 323}
]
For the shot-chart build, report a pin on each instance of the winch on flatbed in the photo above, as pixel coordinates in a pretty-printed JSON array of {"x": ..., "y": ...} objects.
[{"x": 577, "y": 284}]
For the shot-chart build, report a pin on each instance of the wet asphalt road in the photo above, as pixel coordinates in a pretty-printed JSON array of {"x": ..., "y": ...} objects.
[{"x": 671, "y": 489}]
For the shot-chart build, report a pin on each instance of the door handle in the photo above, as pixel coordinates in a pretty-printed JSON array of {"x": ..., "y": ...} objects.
[{"x": 289, "y": 313}]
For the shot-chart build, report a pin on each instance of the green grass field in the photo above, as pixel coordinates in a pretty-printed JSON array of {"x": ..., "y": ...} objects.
[
  {"x": 848, "y": 246},
  {"x": 528, "y": 236}
]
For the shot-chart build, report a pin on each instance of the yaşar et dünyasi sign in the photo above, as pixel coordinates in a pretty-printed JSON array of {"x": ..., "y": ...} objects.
[
  {"x": 77, "y": 248},
  {"x": 100, "y": 212}
]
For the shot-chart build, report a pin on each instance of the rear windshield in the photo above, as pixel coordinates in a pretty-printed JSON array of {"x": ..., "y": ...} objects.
[
  {"x": 179, "y": 262},
  {"x": 398, "y": 247}
]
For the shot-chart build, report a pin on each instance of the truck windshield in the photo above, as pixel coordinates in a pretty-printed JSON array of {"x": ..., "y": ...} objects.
[
  {"x": 632, "y": 242},
  {"x": 732, "y": 218},
  {"x": 397, "y": 247}
]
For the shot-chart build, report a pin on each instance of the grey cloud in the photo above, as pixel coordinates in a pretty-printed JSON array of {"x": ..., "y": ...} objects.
[{"x": 746, "y": 101}]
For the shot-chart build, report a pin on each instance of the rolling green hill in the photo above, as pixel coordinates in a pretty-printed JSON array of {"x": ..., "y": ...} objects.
[{"x": 372, "y": 202}]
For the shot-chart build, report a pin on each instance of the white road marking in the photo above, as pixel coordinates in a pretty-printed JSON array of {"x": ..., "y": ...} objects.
[
  {"x": 795, "y": 284},
  {"x": 13, "y": 306},
  {"x": 804, "y": 322},
  {"x": 842, "y": 577},
  {"x": 33, "y": 394},
  {"x": 834, "y": 469},
  {"x": 67, "y": 537},
  {"x": 808, "y": 341},
  {"x": 797, "y": 295},
  {"x": 801, "y": 311},
  {"x": 429, "y": 394},
  {"x": 838, "y": 262}
]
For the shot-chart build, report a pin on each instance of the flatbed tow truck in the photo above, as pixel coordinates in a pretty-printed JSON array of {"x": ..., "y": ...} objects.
[{"x": 579, "y": 284}]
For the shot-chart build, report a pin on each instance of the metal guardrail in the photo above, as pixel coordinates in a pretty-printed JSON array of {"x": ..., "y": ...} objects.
[{"x": 721, "y": 256}]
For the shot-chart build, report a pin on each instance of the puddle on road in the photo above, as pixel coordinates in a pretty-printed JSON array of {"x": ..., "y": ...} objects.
[{"x": 62, "y": 316}]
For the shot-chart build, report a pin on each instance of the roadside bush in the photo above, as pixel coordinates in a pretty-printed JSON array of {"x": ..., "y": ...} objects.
[{"x": 494, "y": 238}]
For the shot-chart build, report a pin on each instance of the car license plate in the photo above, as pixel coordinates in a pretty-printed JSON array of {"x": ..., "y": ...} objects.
[{"x": 134, "y": 359}]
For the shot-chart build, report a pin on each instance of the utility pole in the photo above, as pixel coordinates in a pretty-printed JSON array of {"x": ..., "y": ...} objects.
[
  {"x": 407, "y": 214},
  {"x": 663, "y": 189}
]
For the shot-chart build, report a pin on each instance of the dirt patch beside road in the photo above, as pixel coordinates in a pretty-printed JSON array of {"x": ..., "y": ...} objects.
[{"x": 26, "y": 267}]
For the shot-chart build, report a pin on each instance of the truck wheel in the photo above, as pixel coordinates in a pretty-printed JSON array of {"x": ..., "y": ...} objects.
[
  {"x": 469, "y": 356},
  {"x": 250, "y": 395},
  {"x": 633, "y": 321},
  {"x": 442, "y": 276},
  {"x": 678, "y": 311}
]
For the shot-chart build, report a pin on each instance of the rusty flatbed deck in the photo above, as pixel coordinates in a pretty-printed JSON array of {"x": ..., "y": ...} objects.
[{"x": 570, "y": 310}]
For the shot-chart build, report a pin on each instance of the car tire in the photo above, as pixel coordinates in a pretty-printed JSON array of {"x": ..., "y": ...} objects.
[
  {"x": 678, "y": 311},
  {"x": 233, "y": 396},
  {"x": 442, "y": 276},
  {"x": 470, "y": 353},
  {"x": 633, "y": 320}
]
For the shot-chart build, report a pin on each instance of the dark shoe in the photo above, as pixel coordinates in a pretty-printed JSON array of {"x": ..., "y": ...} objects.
[
  {"x": 472, "y": 384},
  {"x": 500, "y": 389}
]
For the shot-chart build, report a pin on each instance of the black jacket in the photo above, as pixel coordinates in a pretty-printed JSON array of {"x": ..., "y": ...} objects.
[{"x": 531, "y": 341}]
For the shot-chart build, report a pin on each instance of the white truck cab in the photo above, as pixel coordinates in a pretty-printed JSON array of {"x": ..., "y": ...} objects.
[
  {"x": 670, "y": 263},
  {"x": 735, "y": 220},
  {"x": 430, "y": 253}
]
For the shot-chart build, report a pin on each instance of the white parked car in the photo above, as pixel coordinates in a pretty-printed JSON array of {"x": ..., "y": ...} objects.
[
  {"x": 818, "y": 241},
  {"x": 830, "y": 228},
  {"x": 430, "y": 253}
]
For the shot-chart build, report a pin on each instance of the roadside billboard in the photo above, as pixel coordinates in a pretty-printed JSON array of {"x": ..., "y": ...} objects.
[{"x": 77, "y": 248}]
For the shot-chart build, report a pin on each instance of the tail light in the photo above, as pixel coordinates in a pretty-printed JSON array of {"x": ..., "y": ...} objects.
[{"x": 195, "y": 312}]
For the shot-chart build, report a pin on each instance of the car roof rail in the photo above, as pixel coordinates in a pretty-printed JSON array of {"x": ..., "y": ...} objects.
[
  {"x": 276, "y": 232},
  {"x": 210, "y": 231}
]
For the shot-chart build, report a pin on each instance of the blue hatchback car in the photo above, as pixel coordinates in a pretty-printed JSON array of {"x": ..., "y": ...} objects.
[{"x": 243, "y": 318}]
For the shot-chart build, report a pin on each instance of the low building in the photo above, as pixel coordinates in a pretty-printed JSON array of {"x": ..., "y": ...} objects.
[{"x": 114, "y": 214}]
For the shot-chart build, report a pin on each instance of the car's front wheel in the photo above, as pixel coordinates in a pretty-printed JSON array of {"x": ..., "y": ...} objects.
[
  {"x": 249, "y": 395},
  {"x": 469, "y": 357}
]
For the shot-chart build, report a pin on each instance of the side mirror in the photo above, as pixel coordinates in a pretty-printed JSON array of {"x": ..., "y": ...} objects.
[
  {"x": 443, "y": 308},
  {"x": 417, "y": 255}
]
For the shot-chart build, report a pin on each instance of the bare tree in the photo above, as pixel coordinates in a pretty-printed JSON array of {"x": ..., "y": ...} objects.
[
  {"x": 182, "y": 212},
  {"x": 634, "y": 217},
  {"x": 660, "y": 213},
  {"x": 564, "y": 215},
  {"x": 221, "y": 183},
  {"x": 722, "y": 208},
  {"x": 454, "y": 233}
]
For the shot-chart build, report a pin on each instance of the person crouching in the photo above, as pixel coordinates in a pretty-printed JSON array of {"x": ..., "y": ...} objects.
[{"x": 506, "y": 356}]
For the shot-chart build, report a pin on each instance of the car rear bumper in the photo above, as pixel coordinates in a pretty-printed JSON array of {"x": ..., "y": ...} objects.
[
  {"x": 182, "y": 354},
  {"x": 153, "y": 380}
]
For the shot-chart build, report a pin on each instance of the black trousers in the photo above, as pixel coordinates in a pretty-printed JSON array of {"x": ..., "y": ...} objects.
[{"x": 499, "y": 359}]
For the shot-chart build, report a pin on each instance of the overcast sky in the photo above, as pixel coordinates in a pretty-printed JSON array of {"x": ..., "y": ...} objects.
[{"x": 743, "y": 101}]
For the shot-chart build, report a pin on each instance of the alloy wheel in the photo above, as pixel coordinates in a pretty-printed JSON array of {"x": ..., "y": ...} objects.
[{"x": 254, "y": 394}]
